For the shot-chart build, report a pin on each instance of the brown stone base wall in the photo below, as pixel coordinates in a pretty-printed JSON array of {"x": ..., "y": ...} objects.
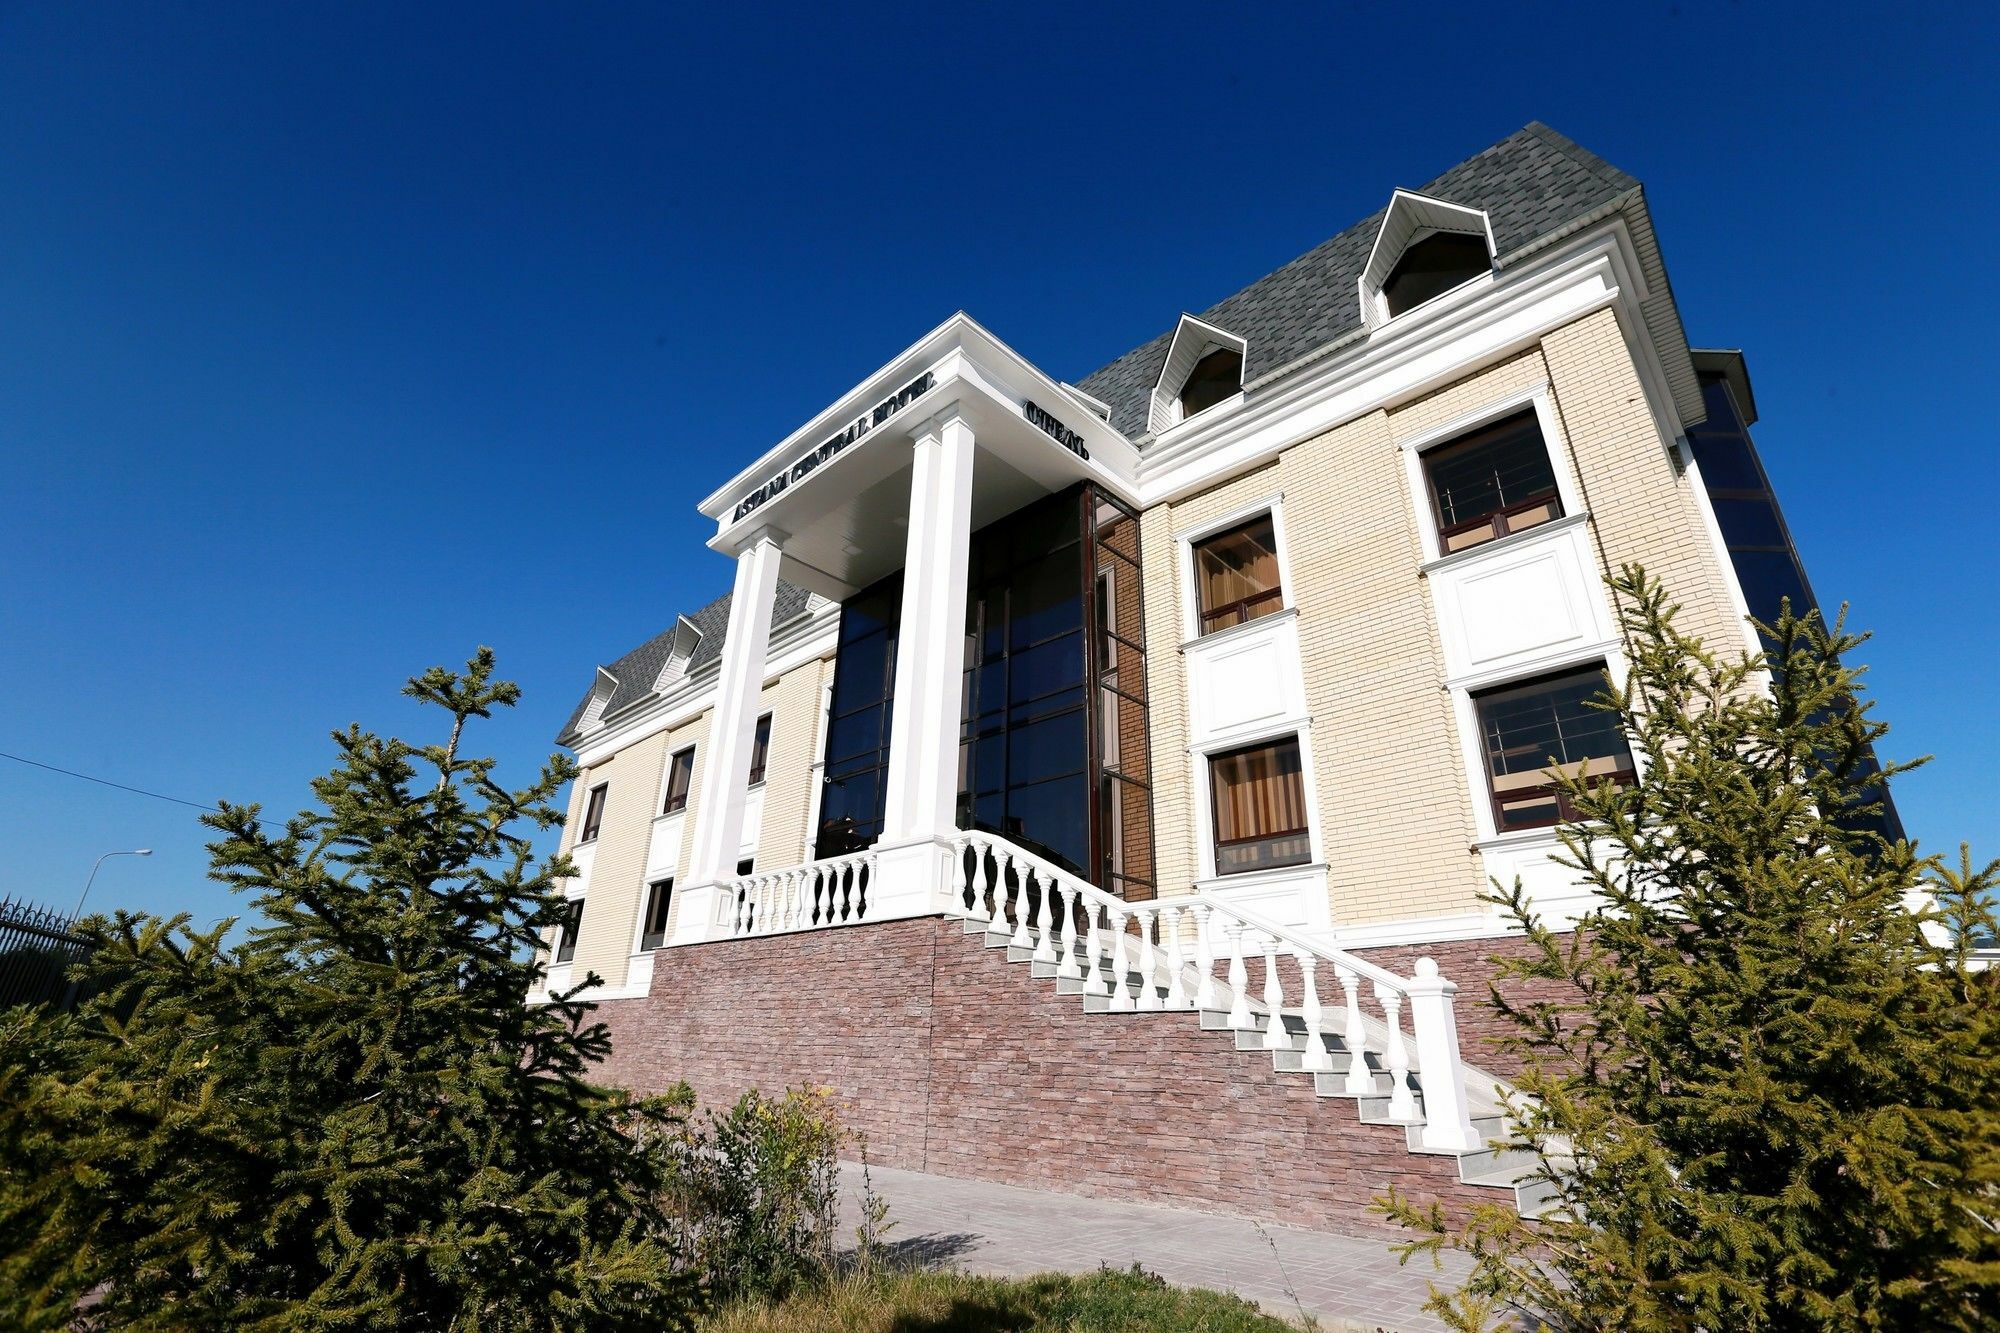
[
  {"x": 1472, "y": 964},
  {"x": 952, "y": 1060}
]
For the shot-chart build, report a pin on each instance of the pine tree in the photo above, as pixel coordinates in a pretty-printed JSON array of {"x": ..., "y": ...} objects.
[
  {"x": 353, "y": 1118},
  {"x": 1773, "y": 1100}
]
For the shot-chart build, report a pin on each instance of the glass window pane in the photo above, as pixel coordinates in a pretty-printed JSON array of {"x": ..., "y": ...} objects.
[
  {"x": 1236, "y": 574},
  {"x": 1498, "y": 467},
  {"x": 1749, "y": 522},
  {"x": 1044, "y": 749}
]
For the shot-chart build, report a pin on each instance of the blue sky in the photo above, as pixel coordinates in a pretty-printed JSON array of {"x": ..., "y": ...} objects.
[{"x": 335, "y": 341}]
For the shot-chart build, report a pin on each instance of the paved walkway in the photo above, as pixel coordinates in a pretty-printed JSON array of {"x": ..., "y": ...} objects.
[{"x": 1003, "y": 1231}]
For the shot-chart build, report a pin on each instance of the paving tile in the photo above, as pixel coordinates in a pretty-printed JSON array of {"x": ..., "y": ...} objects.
[{"x": 1008, "y": 1231}]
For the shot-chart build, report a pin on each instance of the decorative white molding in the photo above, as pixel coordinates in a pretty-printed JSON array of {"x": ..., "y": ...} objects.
[
  {"x": 1411, "y": 217},
  {"x": 1193, "y": 339}
]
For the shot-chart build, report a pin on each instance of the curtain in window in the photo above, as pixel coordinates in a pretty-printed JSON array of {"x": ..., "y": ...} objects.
[
  {"x": 1234, "y": 568},
  {"x": 1259, "y": 793}
]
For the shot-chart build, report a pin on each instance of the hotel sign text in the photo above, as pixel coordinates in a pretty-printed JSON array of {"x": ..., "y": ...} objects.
[
  {"x": 1055, "y": 430},
  {"x": 856, "y": 428}
]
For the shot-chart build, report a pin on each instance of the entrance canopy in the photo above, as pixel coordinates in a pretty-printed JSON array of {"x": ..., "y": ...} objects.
[{"x": 839, "y": 488}]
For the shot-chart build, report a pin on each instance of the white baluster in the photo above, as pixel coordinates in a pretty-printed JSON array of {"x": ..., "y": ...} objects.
[
  {"x": 760, "y": 905},
  {"x": 1121, "y": 969},
  {"x": 1071, "y": 965},
  {"x": 1045, "y": 920},
  {"x": 994, "y": 888},
  {"x": 1022, "y": 937},
  {"x": 1317, "y": 1057},
  {"x": 1402, "y": 1106},
  {"x": 969, "y": 879},
  {"x": 1095, "y": 982},
  {"x": 820, "y": 915},
  {"x": 1170, "y": 930},
  {"x": 1204, "y": 959},
  {"x": 955, "y": 905},
  {"x": 1149, "y": 988},
  {"x": 1274, "y": 998},
  {"x": 1239, "y": 980},
  {"x": 869, "y": 864},
  {"x": 797, "y": 893},
  {"x": 1360, "y": 1079}
]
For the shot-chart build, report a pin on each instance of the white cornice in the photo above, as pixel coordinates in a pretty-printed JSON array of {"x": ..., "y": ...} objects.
[{"x": 1483, "y": 322}]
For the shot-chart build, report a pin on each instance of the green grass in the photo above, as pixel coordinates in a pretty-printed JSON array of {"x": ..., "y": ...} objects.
[{"x": 1101, "y": 1302}]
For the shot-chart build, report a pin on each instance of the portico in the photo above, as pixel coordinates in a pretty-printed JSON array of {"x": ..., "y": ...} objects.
[{"x": 955, "y": 433}]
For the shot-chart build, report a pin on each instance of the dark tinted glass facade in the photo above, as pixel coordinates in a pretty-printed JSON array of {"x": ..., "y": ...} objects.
[
  {"x": 1767, "y": 564},
  {"x": 857, "y": 729},
  {"x": 1054, "y": 745}
]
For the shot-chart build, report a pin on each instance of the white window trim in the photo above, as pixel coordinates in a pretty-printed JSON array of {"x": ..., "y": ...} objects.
[
  {"x": 646, "y": 883},
  {"x": 660, "y": 810},
  {"x": 584, "y": 821},
  {"x": 1187, "y": 540},
  {"x": 1568, "y": 490},
  {"x": 1297, "y": 729},
  {"x": 1472, "y": 750}
]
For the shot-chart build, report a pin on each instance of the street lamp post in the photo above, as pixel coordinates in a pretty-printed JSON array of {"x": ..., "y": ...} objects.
[{"x": 143, "y": 851}]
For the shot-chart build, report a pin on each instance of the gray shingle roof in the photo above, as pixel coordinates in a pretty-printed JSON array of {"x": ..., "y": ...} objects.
[
  {"x": 1532, "y": 184},
  {"x": 639, "y": 670}
]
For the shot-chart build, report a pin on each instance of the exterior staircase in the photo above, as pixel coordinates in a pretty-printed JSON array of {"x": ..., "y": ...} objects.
[{"x": 1498, "y": 1166}]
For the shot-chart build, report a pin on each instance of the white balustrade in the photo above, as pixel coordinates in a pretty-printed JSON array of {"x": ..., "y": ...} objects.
[
  {"x": 1317, "y": 1057},
  {"x": 1149, "y": 991},
  {"x": 1021, "y": 938},
  {"x": 1121, "y": 970},
  {"x": 1170, "y": 930},
  {"x": 1402, "y": 1106},
  {"x": 1274, "y": 998},
  {"x": 1239, "y": 979},
  {"x": 1204, "y": 958},
  {"x": 1045, "y": 921},
  {"x": 1071, "y": 966}
]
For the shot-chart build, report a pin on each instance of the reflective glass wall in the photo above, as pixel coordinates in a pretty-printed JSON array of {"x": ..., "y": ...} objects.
[{"x": 1054, "y": 750}]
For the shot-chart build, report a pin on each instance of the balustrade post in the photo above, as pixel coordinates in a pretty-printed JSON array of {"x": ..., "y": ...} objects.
[
  {"x": 1022, "y": 937},
  {"x": 1070, "y": 967},
  {"x": 1274, "y": 998},
  {"x": 1149, "y": 989},
  {"x": 1045, "y": 919},
  {"x": 1204, "y": 959},
  {"x": 1402, "y": 1106},
  {"x": 1121, "y": 969},
  {"x": 797, "y": 894},
  {"x": 957, "y": 907},
  {"x": 1360, "y": 1079},
  {"x": 1170, "y": 931},
  {"x": 1239, "y": 980},
  {"x": 1317, "y": 1057},
  {"x": 1094, "y": 983},
  {"x": 1447, "y": 1113},
  {"x": 996, "y": 889}
]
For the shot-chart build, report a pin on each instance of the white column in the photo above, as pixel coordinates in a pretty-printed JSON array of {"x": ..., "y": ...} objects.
[
  {"x": 724, "y": 771},
  {"x": 930, "y": 654},
  {"x": 1447, "y": 1114}
]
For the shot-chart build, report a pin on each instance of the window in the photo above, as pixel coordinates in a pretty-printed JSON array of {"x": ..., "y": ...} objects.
[
  {"x": 593, "y": 813},
  {"x": 1259, "y": 797},
  {"x": 680, "y": 775},
  {"x": 1494, "y": 481},
  {"x": 1432, "y": 267},
  {"x": 659, "y": 895},
  {"x": 759, "y": 749},
  {"x": 1215, "y": 378},
  {"x": 566, "y": 932},
  {"x": 1528, "y": 732},
  {"x": 1236, "y": 575}
]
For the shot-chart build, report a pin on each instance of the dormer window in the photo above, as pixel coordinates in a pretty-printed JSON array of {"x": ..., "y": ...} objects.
[
  {"x": 1425, "y": 248},
  {"x": 1215, "y": 378},
  {"x": 1203, "y": 370},
  {"x": 1432, "y": 267}
]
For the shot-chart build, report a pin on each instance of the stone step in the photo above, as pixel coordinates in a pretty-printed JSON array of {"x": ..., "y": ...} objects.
[
  {"x": 1293, "y": 1062},
  {"x": 1374, "y": 1108}
]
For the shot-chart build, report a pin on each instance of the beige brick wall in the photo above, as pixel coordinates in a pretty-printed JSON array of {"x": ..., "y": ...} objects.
[
  {"x": 1643, "y": 505},
  {"x": 793, "y": 703},
  {"x": 617, "y": 874},
  {"x": 1396, "y": 814}
]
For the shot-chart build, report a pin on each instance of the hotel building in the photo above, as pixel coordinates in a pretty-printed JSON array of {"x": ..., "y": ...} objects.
[{"x": 1095, "y": 780}]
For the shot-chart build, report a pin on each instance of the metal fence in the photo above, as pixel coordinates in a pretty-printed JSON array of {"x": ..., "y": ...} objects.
[{"x": 36, "y": 951}]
